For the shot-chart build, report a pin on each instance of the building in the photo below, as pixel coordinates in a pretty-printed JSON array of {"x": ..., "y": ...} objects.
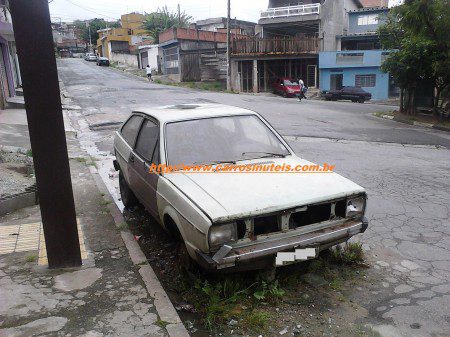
[
  {"x": 9, "y": 64},
  {"x": 359, "y": 59},
  {"x": 149, "y": 54},
  {"x": 120, "y": 40},
  {"x": 220, "y": 25},
  {"x": 66, "y": 40},
  {"x": 194, "y": 55},
  {"x": 292, "y": 34}
]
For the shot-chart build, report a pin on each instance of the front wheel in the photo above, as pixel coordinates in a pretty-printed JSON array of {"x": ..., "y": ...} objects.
[
  {"x": 127, "y": 195},
  {"x": 361, "y": 100},
  {"x": 186, "y": 264}
]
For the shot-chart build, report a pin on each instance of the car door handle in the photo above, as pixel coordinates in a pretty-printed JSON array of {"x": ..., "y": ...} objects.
[{"x": 132, "y": 158}]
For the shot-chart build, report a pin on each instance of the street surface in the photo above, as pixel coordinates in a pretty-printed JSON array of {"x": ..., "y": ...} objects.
[{"x": 405, "y": 170}]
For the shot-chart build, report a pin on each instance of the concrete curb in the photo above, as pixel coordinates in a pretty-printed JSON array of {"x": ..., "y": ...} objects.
[
  {"x": 424, "y": 125},
  {"x": 18, "y": 201},
  {"x": 163, "y": 305}
]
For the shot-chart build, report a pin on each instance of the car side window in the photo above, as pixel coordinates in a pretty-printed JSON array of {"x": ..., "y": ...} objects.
[
  {"x": 130, "y": 129},
  {"x": 147, "y": 141}
]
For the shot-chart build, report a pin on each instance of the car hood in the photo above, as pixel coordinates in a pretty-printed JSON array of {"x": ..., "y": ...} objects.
[{"x": 228, "y": 196}]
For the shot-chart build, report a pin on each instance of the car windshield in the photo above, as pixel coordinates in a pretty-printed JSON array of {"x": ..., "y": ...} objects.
[
  {"x": 221, "y": 139},
  {"x": 290, "y": 82}
]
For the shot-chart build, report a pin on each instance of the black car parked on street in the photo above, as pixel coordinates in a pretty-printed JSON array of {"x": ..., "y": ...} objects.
[
  {"x": 355, "y": 94},
  {"x": 102, "y": 61}
]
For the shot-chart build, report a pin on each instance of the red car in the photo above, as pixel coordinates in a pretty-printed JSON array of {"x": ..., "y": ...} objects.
[{"x": 286, "y": 87}]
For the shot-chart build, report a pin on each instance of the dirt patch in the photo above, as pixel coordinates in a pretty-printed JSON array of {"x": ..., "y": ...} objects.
[{"x": 314, "y": 298}]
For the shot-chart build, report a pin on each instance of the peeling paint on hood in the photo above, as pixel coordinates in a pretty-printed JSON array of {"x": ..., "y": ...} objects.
[{"x": 225, "y": 197}]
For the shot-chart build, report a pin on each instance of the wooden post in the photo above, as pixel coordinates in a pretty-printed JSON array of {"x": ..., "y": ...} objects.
[{"x": 34, "y": 41}]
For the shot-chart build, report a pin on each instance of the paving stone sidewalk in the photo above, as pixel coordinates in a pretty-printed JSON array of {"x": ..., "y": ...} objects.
[{"x": 115, "y": 293}]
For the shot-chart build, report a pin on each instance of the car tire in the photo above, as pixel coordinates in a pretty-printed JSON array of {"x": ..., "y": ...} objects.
[
  {"x": 361, "y": 100},
  {"x": 284, "y": 94},
  {"x": 127, "y": 195},
  {"x": 334, "y": 98}
]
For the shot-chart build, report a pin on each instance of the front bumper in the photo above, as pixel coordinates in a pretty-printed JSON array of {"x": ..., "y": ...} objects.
[{"x": 321, "y": 239}]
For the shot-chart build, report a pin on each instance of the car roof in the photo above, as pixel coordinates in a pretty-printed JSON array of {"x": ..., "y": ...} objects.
[{"x": 180, "y": 112}]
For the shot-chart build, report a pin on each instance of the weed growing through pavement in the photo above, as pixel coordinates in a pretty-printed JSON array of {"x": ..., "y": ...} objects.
[
  {"x": 351, "y": 253},
  {"x": 31, "y": 258},
  {"x": 233, "y": 297},
  {"x": 162, "y": 324},
  {"x": 240, "y": 299}
]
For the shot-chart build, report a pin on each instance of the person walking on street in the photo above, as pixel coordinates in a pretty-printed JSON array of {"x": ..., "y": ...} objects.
[
  {"x": 149, "y": 73},
  {"x": 302, "y": 90}
]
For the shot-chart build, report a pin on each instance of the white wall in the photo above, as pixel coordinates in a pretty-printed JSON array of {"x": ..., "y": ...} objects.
[
  {"x": 128, "y": 59},
  {"x": 152, "y": 57}
]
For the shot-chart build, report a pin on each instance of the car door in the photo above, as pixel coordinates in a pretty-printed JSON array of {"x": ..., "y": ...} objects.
[
  {"x": 146, "y": 152},
  {"x": 345, "y": 93}
]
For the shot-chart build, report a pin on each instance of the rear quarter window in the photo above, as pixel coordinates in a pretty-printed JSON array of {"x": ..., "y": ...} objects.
[{"x": 130, "y": 129}]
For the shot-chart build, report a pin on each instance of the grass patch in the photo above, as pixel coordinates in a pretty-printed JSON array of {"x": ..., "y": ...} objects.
[
  {"x": 162, "y": 324},
  {"x": 207, "y": 86},
  {"x": 31, "y": 258},
  {"x": 351, "y": 253},
  {"x": 81, "y": 160},
  {"x": 29, "y": 153},
  {"x": 122, "y": 226},
  {"x": 105, "y": 202},
  {"x": 257, "y": 321},
  {"x": 383, "y": 113},
  {"x": 236, "y": 297}
]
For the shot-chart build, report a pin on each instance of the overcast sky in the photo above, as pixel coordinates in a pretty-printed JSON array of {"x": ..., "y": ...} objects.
[{"x": 69, "y": 10}]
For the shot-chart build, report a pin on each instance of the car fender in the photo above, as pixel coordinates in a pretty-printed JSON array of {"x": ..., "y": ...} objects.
[{"x": 192, "y": 223}]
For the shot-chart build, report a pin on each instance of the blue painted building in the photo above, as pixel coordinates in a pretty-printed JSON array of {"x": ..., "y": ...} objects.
[
  {"x": 359, "y": 61},
  {"x": 360, "y": 68}
]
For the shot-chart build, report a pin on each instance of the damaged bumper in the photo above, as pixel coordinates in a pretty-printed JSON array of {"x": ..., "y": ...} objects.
[{"x": 241, "y": 255}]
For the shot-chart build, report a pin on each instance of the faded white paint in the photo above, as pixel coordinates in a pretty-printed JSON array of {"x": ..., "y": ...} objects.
[{"x": 197, "y": 201}]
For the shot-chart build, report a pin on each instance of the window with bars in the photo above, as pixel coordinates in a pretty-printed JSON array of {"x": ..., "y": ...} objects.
[{"x": 364, "y": 81}]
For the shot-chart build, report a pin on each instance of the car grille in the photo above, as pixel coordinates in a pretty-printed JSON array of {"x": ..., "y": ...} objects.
[{"x": 305, "y": 216}]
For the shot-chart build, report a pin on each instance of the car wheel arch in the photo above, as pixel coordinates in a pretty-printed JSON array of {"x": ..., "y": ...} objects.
[{"x": 172, "y": 223}]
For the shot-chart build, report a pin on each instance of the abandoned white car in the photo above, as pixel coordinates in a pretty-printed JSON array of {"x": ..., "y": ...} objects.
[{"x": 232, "y": 219}]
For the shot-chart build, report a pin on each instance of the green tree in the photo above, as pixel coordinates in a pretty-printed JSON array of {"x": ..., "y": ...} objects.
[
  {"x": 157, "y": 22},
  {"x": 418, "y": 30},
  {"x": 95, "y": 25}
]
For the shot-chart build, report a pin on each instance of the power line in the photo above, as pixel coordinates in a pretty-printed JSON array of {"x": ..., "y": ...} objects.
[{"x": 89, "y": 10}]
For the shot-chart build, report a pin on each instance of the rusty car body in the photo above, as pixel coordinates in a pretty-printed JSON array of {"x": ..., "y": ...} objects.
[{"x": 231, "y": 220}]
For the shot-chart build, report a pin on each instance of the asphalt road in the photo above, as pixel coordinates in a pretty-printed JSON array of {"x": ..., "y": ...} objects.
[{"x": 405, "y": 170}]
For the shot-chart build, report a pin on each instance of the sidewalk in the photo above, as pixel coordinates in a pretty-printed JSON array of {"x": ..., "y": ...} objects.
[{"x": 114, "y": 293}]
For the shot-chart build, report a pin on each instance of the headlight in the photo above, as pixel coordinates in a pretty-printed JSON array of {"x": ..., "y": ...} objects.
[
  {"x": 356, "y": 206},
  {"x": 221, "y": 234}
]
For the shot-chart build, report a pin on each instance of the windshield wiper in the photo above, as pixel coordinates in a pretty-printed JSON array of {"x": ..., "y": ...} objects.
[
  {"x": 217, "y": 162},
  {"x": 267, "y": 154}
]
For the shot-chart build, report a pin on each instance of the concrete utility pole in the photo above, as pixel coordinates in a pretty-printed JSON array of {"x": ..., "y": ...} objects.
[
  {"x": 90, "y": 38},
  {"x": 33, "y": 35},
  {"x": 228, "y": 46}
]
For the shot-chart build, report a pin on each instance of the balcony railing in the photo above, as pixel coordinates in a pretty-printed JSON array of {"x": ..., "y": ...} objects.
[
  {"x": 275, "y": 46},
  {"x": 279, "y": 12}
]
